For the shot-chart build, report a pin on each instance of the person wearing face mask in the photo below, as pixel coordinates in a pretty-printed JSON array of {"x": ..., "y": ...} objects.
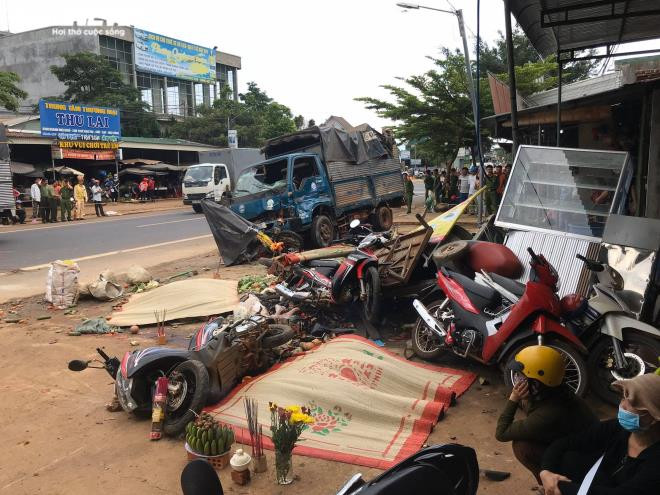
[
  {"x": 615, "y": 457},
  {"x": 553, "y": 411}
]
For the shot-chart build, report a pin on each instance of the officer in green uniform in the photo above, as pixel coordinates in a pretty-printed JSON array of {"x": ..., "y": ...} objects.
[
  {"x": 66, "y": 195},
  {"x": 491, "y": 183},
  {"x": 409, "y": 189}
]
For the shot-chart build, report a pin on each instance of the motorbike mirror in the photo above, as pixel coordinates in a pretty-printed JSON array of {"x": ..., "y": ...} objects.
[
  {"x": 354, "y": 223},
  {"x": 78, "y": 365}
]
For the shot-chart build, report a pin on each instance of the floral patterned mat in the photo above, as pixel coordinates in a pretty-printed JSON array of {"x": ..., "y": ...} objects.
[{"x": 370, "y": 407}]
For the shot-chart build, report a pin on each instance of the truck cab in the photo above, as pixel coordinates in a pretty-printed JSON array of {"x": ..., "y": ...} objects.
[
  {"x": 205, "y": 180},
  {"x": 284, "y": 190}
]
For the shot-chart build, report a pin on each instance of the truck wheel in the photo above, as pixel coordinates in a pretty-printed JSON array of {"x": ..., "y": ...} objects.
[
  {"x": 323, "y": 231},
  {"x": 383, "y": 218},
  {"x": 197, "y": 208}
]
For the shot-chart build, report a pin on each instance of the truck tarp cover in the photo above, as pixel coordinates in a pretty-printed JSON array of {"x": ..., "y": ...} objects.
[
  {"x": 338, "y": 145},
  {"x": 232, "y": 233}
]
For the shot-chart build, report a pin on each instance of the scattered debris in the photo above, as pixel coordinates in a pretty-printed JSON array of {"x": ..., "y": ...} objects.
[
  {"x": 62, "y": 288},
  {"x": 12, "y": 319},
  {"x": 43, "y": 317},
  {"x": 93, "y": 326},
  {"x": 484, "y": 381},
  {"x": 255, "y": 283}
]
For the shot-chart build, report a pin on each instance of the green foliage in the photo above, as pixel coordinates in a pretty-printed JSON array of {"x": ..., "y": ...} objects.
[
  {"x": 256, "y": 118},
  {"x": 434, "y": 111},
  {"x": 89, "y": 78},
  {"x": 10, "y": 93},
  {"x": 299, "y": 121}
]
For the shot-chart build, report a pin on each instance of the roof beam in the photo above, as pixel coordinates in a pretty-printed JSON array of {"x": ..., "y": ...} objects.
[{"x": 622, "y": 13}]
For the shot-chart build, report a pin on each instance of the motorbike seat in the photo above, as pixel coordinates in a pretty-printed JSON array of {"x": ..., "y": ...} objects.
[
  {"x": 513, "y": 286},
  {"x": 481, "y": 296},
  {"x": 324, "y": 263}
]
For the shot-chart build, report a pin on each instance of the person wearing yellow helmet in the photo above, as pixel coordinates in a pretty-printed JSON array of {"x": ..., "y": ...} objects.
[{"x": 553, "y": 411}]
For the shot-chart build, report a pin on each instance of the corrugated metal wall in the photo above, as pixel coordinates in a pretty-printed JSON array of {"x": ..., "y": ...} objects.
[
  {"x": 560, "y": 251},
  {"x": 348, "y": 193},
  {"x": 344, "y": 170},
  {"x": 6, "y": 196}
]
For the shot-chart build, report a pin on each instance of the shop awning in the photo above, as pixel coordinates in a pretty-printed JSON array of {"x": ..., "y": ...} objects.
[
  {"x": 21, "y": 168},
  {"x": 64, "y": 170},
  {"x": 140, "y": 161},
  {"x": 573, "y": 25},
  {"x": 166, "y": 167},
  {"x": 139, "y": 171}
]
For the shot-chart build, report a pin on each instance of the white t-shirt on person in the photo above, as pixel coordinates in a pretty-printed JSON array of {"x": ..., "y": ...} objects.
[{"x": 464, "y": 184}]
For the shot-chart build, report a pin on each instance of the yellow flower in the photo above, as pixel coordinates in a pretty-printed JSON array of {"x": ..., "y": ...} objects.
[
  {"x": 298, "y": 417},
  {"x": 293, "y": 409}
]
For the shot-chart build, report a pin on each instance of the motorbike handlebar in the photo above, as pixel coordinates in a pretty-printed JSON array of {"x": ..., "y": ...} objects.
[
  {"x": 535, "y": 258},
  {"x": 593, "y": 265},
  {"x": 103, "y": 354}
]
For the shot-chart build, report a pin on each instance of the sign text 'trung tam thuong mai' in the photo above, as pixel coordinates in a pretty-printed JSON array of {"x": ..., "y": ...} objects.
[{"x": 78, "y": 121}]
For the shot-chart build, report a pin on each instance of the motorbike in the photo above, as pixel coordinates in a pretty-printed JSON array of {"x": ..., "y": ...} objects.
[
  {"x": 449, "y": 469},
  {"x": 330, "y": 281},
  {"x": 620, "y": 346},
  {"x": 491, "y": 318},
  {"x": 219, "y": 355}
]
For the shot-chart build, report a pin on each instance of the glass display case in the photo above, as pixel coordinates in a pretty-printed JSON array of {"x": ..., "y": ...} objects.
[{"x": 561, "y": 190}]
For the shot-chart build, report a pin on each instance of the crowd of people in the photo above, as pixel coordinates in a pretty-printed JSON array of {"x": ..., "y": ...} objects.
[
  {"x": 457, "y": 186},
  {"x": 562, "y": 442}
]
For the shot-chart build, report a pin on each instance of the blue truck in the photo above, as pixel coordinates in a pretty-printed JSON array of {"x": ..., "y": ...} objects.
[{"x": 315, "y": 181}]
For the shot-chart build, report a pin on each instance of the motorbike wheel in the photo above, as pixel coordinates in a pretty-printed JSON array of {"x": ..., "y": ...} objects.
[
  {"x": 371, "y": 304},
  {"x": 276, "y": 336},
  {"x": 575, "y": 377},
  {"x": 640, "y": 352},
  {"x": 193, "y": 379},
  {"x": 292, "y": 242},
  {"x": 425, "y": 343}
]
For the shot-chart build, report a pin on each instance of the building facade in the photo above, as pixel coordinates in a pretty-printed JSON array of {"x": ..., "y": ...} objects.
[{"x": 31, "y": 53}]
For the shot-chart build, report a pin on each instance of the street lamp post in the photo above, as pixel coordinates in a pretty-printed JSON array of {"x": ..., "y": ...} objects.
[{"x": 468, "y": 70}]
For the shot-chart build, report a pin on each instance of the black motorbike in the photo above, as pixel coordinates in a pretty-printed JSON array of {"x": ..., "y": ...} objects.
[
  {"x": 441, "y": 469},
  {"x": 219, "y": 355}
]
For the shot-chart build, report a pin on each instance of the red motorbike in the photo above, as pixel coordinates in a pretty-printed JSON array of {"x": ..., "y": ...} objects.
[{"x": 490, "y": 318}]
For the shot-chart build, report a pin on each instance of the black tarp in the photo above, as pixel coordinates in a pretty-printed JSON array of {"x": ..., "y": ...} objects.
[
  {"x": 357, "y": 146},
  {"x": 232, "y": 233}
]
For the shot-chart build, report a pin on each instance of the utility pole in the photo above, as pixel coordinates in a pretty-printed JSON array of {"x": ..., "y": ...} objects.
[{"x": 468, "y": 70}]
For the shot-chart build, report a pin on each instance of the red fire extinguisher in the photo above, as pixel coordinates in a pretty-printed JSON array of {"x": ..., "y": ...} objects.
[{"x": 158, "y": 409}]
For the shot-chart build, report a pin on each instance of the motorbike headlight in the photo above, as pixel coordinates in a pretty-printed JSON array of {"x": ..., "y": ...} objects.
[
  {"x": 123, "y": 389},
  {"x": 185, "y": 196}
]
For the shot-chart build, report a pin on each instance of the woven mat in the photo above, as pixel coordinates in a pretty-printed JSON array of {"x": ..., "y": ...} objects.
[{"x": 372, "y": 408}]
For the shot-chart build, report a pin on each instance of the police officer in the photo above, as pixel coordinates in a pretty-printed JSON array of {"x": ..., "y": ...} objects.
[
  {"x": 491, "y": 183},
  {"x": 409, "y": 190}
]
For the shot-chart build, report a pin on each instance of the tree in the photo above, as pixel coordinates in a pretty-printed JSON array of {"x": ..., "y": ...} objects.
[
  {"x": 311, "y": 123},
  {"x": 299, "y": 121},
  {"x": 435, "y": 111},
  {"x": 89, "y": 78},
  {"x": 256, "y": 118},
  {"x": 10, "y": 93}
]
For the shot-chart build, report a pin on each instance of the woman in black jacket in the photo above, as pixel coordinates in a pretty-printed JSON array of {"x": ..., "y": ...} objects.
[{"x": 627, "y": 449}]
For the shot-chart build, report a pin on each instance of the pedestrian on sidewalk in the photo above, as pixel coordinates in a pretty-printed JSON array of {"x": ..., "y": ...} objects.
[
  {"x": 20, "y": 212},
  {"x": 57, "y": 186},
  {"x": 66, "y": 200},
  {"x": 144, "y": 187},
  {"x": 111, "y": 188},
  {"x": 428, "y": 184},
  {"x": 463, "y": 185},
  {"x": 152, "y": 189},
  {"x": 410, "y": 190},
  {"x": 35, "y": 193},
  {"x": 97, "y": 192},
  {"x": 80, "y": 197},
  {"x": 46, "y": 197}
]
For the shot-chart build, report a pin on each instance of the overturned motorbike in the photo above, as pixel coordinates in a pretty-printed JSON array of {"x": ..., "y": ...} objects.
[
  {"x": 218, "y": 356},
  {"x": 354, "y": 278},
  {"x": 491, "y": 317}
]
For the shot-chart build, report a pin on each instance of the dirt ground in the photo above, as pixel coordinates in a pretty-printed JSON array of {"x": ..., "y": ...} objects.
[{"x": 59, "y": 439}]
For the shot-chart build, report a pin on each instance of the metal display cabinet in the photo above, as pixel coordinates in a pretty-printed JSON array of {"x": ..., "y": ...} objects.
[{"x": 565, "y": 191}]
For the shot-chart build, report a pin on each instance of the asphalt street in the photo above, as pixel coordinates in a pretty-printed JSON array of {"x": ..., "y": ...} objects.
[{"x": 24, "y": 248}]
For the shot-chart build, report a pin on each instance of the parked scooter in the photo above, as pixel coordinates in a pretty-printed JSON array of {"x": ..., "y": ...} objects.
[
  {"x": 440, "y": 469},
  {"x": 355, "y": 278},
  {"x": 620, "y": 346},
  {"x": 217, "y": 358},
  {"x": 491, "y": 318}
]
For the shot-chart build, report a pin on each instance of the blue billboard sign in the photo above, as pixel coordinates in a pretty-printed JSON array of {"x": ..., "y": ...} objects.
[
  {"x": 78, "y": 121},
  {"x": 173, "y": 58}
]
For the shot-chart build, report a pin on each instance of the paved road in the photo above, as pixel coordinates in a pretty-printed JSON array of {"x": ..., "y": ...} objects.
[{"x": 22, "y": 248}]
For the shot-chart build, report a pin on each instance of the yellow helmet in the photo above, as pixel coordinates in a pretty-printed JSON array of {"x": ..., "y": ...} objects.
[{"x": 541, "y": 363}]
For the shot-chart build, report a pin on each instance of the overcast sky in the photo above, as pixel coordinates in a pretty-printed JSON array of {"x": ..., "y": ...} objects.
[{"x": 313, "y": 56}]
